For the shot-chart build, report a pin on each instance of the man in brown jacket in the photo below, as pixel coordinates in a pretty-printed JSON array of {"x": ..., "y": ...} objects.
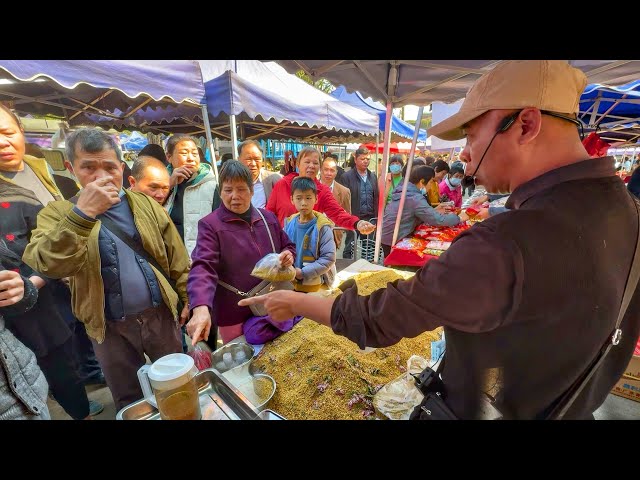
[
  {"x": 340, "y": 192},
  {"x": 128, "y": 307},
  {"x": 533, "y": 293}
]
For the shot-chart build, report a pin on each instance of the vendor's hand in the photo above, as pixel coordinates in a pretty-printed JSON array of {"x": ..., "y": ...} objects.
[
  {"x": 298, "y": 273},
  {"x": 279, "y": 304},
  {"x": 11, "y": 288},
  {"x": 483, "y": 214},
  {"x": 365, "y": 228},
  {"x": 479, "y": 200},
  {"x": 463, "y": 217},
  {"x": 286, "y": 258},
  {"x": 441, "y": 209},
  {"x": 200, "y": 324},
  {"x": 181, "y": 174},
  {"x": 184, "y": 315},
  {"x": 98, "y": 196},
  {"x": 66, "y": 282}
]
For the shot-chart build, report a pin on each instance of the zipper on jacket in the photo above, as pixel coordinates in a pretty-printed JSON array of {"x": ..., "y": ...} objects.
[{"x": 253, "y": 235}]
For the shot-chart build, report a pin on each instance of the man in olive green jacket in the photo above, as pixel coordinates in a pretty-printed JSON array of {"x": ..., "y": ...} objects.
[{"x": 128, "y": 306}]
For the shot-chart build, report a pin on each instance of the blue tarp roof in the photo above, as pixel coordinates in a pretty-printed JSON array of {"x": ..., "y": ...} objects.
[
  {"x": 616, "y": 106},
  {"x": 252, "y": 88},
  {"x": 178, "y": 80},
  {"x": 135, "y": 141},
  {"x": 398, "y": 126}
]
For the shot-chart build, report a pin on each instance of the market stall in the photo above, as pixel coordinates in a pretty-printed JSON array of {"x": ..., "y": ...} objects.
[
  {"x": 322, "y": 376},
  {"x": 424, "y": 244}
]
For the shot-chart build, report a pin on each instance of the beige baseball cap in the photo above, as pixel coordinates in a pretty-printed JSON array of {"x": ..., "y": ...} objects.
[{"x": 551, "y": 85}]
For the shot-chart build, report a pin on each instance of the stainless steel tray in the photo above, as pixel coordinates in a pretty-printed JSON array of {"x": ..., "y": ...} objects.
[
  {"x": 219, "y": 400},
  {"x": 270, "y": 415}
]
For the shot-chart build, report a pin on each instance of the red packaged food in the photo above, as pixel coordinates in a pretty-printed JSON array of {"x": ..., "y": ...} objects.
[
  {"x": 416, "y": 244},
  {"x": 201, "y": 358}
]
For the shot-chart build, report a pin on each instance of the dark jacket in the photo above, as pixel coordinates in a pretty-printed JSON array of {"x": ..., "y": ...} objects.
[
  {"x": 352, "y": 181},
  {"x": 542, "y": 287},
  {"x": 42, "y": 327},
  {"x": 634, "y": 183},
  {"x": 228, "y": 248}
]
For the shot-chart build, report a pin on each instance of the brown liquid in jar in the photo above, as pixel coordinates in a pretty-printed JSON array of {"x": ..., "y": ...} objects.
[{"x": 181, "y": 403}]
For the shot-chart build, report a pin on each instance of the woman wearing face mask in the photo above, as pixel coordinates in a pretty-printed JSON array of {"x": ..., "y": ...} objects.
[
  {"x": 416, "y": 209},
  {"x": 395, "y": 176},
  {"x": 450, "y": 187}
]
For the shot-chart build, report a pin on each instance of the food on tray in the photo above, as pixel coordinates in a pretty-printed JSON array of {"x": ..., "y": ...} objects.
[{"x": 321, "y": 375}]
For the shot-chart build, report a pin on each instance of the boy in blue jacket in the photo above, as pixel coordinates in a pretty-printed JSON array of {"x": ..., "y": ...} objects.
[{"x": 312, "y": 232}]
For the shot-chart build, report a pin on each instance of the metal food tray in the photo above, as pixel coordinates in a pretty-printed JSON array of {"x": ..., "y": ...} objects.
[{"x": 219, "y": 400}]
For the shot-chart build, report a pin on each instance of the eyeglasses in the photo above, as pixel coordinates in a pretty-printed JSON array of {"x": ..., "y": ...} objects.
[{"x": 575, "y": 121}]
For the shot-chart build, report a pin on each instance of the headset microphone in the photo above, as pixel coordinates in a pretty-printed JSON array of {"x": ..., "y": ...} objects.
[{"x": 503, "y": 127}]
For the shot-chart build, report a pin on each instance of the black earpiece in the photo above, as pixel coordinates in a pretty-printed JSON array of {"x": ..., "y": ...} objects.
[{"x": 507, "y": 122}]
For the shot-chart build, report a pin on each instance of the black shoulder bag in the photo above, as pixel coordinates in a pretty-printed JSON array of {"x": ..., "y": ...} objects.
[
  {"x": 433, "y": 406},
  {"x": 139, "y": 249}
]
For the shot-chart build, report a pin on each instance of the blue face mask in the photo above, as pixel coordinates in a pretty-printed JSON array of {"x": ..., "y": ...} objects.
[
  {"x": 219, "y": 163},
  {"x": 423, "y": 191},
  {"x": 395, "y": 168},
  {"x": 455, "y": 182}
]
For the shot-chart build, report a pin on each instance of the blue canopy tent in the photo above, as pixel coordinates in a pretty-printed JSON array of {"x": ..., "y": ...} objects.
[
  {"x": 77, "y": 89},
  {"x": 134, "y": 141},
  {"x": 399, "y": 127},
  {"x": 612, "y": 111},
  {"x": 71, "y": 89},
  {"x": 261, "y": 100}
]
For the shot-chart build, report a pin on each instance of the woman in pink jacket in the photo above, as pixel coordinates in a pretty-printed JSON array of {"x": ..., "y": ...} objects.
[{"x": 450, "y": 189}]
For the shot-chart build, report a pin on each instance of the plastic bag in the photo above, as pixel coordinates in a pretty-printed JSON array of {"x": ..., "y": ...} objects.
[
  {"x": 201, "y": 358},
  {"x": 269, "y": 268},
  {"x": 398, "y": 398}
]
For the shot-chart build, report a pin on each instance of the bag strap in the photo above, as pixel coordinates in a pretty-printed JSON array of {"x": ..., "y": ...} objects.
[
  {"x": 268, "y": 230},
  {"x": 632, "y": 281},
  {"x": 248, "y": 294},
  {"x": 240, "y": 292},
  {"x": 138, "y": 248}
]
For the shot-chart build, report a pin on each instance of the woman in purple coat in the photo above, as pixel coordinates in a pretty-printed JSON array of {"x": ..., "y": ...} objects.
[{"x": 230, "y": 241}]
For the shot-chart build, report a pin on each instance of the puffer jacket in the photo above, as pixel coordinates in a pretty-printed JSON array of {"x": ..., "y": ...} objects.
[{"x": 23, "y": 387}]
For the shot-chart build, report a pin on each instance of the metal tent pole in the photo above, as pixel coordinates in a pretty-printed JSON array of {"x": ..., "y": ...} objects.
[
  {"x": 406, "y": 177},
  {"x": 207, "y": 130},
  {"x": 377, "y": 155},
  {"x": 234, "y": 137},
  {"x": 381, "y": 180}
]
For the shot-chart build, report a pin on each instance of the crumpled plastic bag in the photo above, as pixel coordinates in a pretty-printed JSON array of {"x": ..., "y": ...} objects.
[
  {"x": 201, "y": 358},
  {"x": 269, "y": 268},
  {"x": 399, "y": 397}
]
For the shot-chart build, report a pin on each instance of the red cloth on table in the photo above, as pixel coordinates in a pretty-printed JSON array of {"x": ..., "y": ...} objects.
[{"x": 406, "y": 258}]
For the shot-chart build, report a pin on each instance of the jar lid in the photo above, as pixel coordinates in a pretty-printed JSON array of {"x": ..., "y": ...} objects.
[{"x": 170, "y": 367}]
